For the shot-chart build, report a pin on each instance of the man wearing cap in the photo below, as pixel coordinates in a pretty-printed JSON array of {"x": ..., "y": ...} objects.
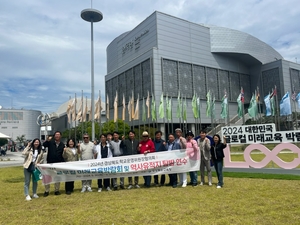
[
  {"x": 146, "y": 146},
  {"x": 182, "y": 142},
  {"x": 192, "y": 144},
  {"x": 86, "y": 151}
]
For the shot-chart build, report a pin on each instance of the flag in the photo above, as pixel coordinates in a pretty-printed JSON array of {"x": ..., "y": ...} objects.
[
  {"x": 242, "y": 96},
  {"x": 129, "y": 109},
  {"x": 97, "y": 109},
  {"x": 116, "y": 107},
  {"x": 167, "y": 106},
  {"x": 213, "y": 109},
  {"x": 143, "y": 111},
  {"x": 194, "y": 107},
  {"x": 137, "y": 110},
  {"x": 208, "y": 106},
  {"x": 69, "y": 110},
  {"x": 240, "y": 107},
  {"x": 294, "y": 94},
  {"x": 79, "y": 115},
  {"x": 298, "y": 100},
  {"x": 257, "y": 95},
  {"x": 132, "y": 106},
  {"x": 73, "y": 109},
  {"x": 184, "y": 110},
  {"x": 285, "y": 105},
  {"x": 85, "y": 111},
  {"x": 268, "y": 105},
  {"x": 252, "y": 110},
  {"x": 107, "y": 107},
  {"x": 198, "y": 106},
  {"x": 124, "y": 108},
  {"x": 153, "y": 109},
  {"x": 224, "y": 106},
  {"x": 272, "y": 102},
  {"x": 148, "y": 105},
  {"x": 179, "y": 107},
  {"x": 169, "y": 109},
  {"x": 161, "y": 110}
]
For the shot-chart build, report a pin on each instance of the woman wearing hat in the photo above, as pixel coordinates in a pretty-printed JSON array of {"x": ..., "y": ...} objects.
[{"x": 146, "y": 146}]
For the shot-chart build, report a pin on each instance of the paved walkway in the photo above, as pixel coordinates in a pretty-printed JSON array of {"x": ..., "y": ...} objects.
[{"x": 16, "y": 159}]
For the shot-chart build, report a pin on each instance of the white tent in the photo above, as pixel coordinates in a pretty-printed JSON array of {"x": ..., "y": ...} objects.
[{"x": 3, "y": 135}]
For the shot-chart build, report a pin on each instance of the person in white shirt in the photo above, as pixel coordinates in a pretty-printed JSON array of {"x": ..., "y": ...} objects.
[
  {"x": 86, "y": 153},
  {"x": 102, "y": 151}
]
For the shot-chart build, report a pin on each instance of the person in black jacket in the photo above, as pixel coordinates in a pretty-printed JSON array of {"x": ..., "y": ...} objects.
[
  {"x": 160, "y": 145},
  {"x": 217, "y": 156},
  {"x": 54, "y": 155},
  {"x": 130, "y": 147}
]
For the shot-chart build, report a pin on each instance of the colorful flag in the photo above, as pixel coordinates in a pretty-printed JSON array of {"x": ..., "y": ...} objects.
[
  {"x": 224, "y": 106},
  {"x": 194, "y": 107},
  {"x": 132, "y": 106},
  {"x": 85, "y": 111},
  {"x": 73, "y": 109},
  {"x": 167, "y": 106},
  {"x": 213, "y": 109},
  {"x": 179, "y": 107},
  {"x": 79, "y": 115},
  {"x": 242, "y": 96},
  {"x": 169, "y": 109},
  {"x": 184, "y": 110},
  {"x": 143, "y": 111},
  {"x": 257, "y": 95},
  {"x": 285, "y": 105},
  {"x": 298, "y": 100},
  {"x": 124, "y": 108},
  {"x": 69, "y": 110},
  {"x": 148, "y": 105},
  {"x": 137, "y": 109},
  {"x": 97, "y": 109},
  {"x": 116, "y": 107},
  {"x": 272, "y": 102},
  {"x": 268, "y": 105},
  {"x": 208, "y": 104},
  {"x": 153, "y": 109},
  {"x": 161, "y": 110},
  {"x": 240, "y": 106},
  {"x": 252, "y": 110},
  {"x": 294, "y": 94},
  {"x": 198, "y": 107},
  {"x": 107, "y": 107}
]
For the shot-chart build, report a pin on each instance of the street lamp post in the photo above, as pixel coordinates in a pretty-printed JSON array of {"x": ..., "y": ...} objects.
[{"x": 92, "y": 16}]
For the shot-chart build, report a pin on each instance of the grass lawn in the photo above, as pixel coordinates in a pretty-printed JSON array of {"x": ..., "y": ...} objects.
[{"x": 241, "y": 201}]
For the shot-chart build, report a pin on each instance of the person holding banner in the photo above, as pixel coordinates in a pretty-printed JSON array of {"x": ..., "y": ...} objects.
[
  {"x": 54, "y": 155},
  {"x": 130, "y": 147},
  {"x": 33, "y": 155},
  {"x": 102, "y": 151},
  {"x": 86, "y": 153},
  {"x": 70, "y": 154},
  {"x": 192, "y": 144},
  {"x": 160, "y": 145},
  {"x": 172, "y": 145},
  {"x": 204, "y": 145},
  {"x": 115, "y": 146},
  {"x": 146, "y": 146},
  {"x": 217, "y": 155},
  {"x": 182, "y": 142}
]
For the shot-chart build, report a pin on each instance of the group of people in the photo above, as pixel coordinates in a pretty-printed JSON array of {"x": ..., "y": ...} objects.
[{"x": 110, "y": 145}]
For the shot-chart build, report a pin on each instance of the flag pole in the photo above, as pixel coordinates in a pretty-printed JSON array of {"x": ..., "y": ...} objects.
[
  {"x": 82, "y": 113},
  {"x": 100, "y": 122},
  {"x": 70, "y": 120},
  {"x": 75, "y": 117},
  {"x": 277, "y": 109}
]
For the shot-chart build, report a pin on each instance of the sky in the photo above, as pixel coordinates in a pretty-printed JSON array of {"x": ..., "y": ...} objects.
[{"x": 45, "y": 47}]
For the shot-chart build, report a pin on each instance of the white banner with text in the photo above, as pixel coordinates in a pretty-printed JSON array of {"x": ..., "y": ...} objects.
[{"x": 175, "y": 161}]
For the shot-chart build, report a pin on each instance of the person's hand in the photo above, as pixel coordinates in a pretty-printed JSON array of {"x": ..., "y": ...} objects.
[
  {"x": 29, "y": 143},
  {"x": 164, "y": 143},
  {"x": 145, "y": 153},
  {"x": 123, "y": 138}
]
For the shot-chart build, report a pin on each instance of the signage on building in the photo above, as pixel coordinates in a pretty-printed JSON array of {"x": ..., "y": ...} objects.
[{"x": 134, "y": 43}]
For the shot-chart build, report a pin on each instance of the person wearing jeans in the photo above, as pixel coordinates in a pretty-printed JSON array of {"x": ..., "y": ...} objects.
[
  {"x": 217, "y": 155},
  {"x": 33, "y": 154}
]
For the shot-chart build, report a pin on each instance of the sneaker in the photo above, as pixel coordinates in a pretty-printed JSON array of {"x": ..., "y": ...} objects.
[
  {"x": 137, "y": 186},
  {"x": 108, "y": 189},
  {"x": 46, "y": 194},
  {"x": 83, "y": 189},
  {"x": 28, "y": 198},
  {"x": 183, "y": 185},
  {"x": 57, "y": 193},
  {"x": 122, "y": 187},
  {"x": 99, "y": 189},
  {"x": 129, "y": 187},
  {"x": 35, "y": 196},
  {"x": 89, "y": 189},
  {"x": 201, "y": 183},
  {"x": 194, "y": 185},
  {"x": 209, "y": 184},
  {"x": 219, "y": 186},
  {"x": 68, "y": 192},
  {"x": 116, "y": 188},
  {"x": 174, "y": 186}
]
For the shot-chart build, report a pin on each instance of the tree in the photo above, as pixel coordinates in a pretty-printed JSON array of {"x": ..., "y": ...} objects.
[
  {"x": 3, "y": 141},
  {"x": 21, "y": 139}
]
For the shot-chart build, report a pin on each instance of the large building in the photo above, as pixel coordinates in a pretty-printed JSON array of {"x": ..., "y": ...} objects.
[
  {"x": 171, "y": 55},
  {"x": 18, "y": 122}
]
